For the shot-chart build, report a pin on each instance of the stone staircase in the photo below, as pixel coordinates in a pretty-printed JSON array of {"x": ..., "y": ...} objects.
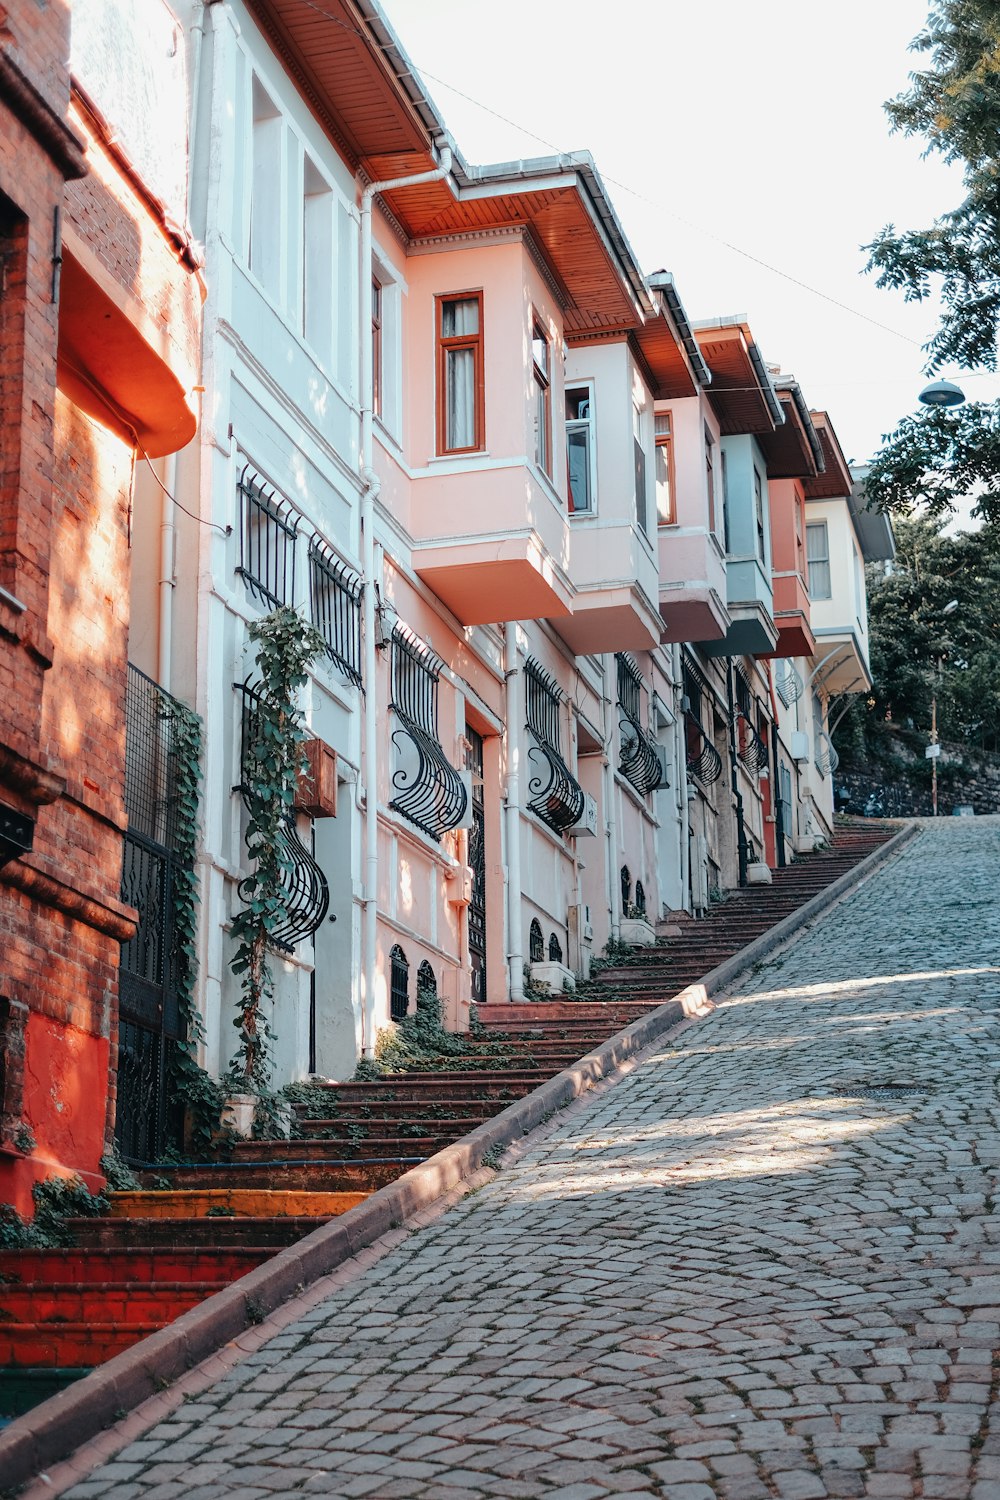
[{"x": 161, "y": 1252}]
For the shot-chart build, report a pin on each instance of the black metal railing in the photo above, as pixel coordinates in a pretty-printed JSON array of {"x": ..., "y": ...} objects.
[
  {"x": 638, "y": 761},
  {"x": 427, "y": 790},
  {"x": 702, "y": 758},
  {"x": 788, "y": 683},
  {"x": 147, "y": 1120},
  {"x": 554, "y": 794},
  {"x": 399, "y": 984},
  {"x": 750, "y": 748},
  {"x": 335, "y": 605},
  {"x": 268, "y": 532},
  {"x": 306, "y": 892}
]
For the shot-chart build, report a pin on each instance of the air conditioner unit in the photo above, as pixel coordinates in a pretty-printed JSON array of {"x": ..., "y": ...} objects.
[
  {"x": 663, "y": 758},
  {"x": 587, "y": 823},
  {"x": 799, "y": 746}
]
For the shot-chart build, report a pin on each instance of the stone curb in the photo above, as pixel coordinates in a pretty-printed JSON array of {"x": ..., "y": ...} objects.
[{"x": 53, "y": 1429}]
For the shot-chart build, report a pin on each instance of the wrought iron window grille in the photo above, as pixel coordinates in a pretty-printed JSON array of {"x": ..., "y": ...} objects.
[
  {"x": 789, "y": 686},
  {"x": 269, "y": 527},
  {"x": 426, "y": 980},
  {"x": 703, "y": 760},
  {"x": 640, "y": 898},
  {"x": 335, "y": 607},
  {"x": 536, "y": 942},
  {"x": 554, "y": 794},
  {"x": 428, "y": 791},
  {"x": 555, "y": 949},
  {"x": 306, "y": 890},
  {"x": 637, "y": 758},
  {"x": 750, "y": 748},
  {"x": 399, "y": 984}
]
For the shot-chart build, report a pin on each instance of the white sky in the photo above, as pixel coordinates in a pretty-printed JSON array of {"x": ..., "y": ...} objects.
[{"x": 746, "y": 121}]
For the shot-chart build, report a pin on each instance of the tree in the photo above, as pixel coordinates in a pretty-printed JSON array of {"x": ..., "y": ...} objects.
[
  {"x": 941, "y": 456},
  {"x": 919, "y": 651}
]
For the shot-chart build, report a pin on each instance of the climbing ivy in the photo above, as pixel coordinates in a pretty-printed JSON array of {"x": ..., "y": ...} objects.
[
  {"x": 201, "y": 1096},
  {"x": 273, "y": 757}
]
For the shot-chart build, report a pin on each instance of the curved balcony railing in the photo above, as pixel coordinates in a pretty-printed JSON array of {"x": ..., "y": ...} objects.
[
  {"x": 703, "y": 760},
  {"x": 750, "y": 748},
  {"x": 554, "y": 794},
  {"x": 638, "y": 761},
  {"x": 790, "y": 686},
  {"x": 825, "y": 755},
  {"x": 428, "y": 791},
  {"x": 305, "y": 888}
]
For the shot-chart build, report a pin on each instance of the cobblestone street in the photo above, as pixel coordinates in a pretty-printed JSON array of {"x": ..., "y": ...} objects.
[{"x": 764, "y": 1263}]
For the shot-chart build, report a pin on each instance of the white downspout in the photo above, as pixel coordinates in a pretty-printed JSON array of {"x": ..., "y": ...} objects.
[
  {"x": 164, "y": 648},
  {"x": 369, "y": 495},
  {"x": 512, "y": 676},
  {"x": 610, "y": 818},
  {"x": 680, "y": 761}
]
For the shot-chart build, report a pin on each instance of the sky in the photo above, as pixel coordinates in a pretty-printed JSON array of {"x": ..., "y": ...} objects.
[{"x": 744, "y": 146}]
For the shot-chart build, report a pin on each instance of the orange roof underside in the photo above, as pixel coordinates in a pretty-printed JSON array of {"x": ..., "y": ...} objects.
[
  {"x": 735, "y": 391},
  {"x": 835, "y": 482},
  {"x": 787, "y": 449}
]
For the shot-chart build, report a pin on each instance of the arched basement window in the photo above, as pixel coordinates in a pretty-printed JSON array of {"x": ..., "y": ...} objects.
[{"x": 399, "y": 984}]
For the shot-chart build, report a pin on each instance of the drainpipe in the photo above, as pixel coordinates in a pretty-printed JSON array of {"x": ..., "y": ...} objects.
[
  {"x": 741, "y": 832},
  {"x": 512, "y": 679},
  {"x": 164, "y": 650},
  {"x": 779, "y": 816},
  {"x": 614, "y": 884},
  {"x": 369, "y": 495},
  {"x": 681, "y": 780}
]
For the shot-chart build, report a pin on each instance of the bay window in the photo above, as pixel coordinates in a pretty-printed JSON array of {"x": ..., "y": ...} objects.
[
  {"x": 542, "y": 397},
  {"x": 665, "y": 512}
]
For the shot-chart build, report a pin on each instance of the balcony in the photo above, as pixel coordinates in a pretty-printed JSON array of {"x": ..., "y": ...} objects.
[
  {"x": 492, "y": 544},
  {"x": 692, "y": 586},
  {"x": 792, "y": 616},
  {"x": 614, "y": 575},
  {"x": 839, "y": 662},
  {"x": 752, "y": 630}
]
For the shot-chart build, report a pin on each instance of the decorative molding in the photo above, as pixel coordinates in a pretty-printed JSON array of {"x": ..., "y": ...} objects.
[{"x": 55, "y": 137}]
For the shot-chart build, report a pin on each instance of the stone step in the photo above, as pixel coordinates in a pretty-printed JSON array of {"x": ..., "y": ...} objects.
[
  {"x": 262, "y": 1236},
  {"x": 95, "y": 1266}
]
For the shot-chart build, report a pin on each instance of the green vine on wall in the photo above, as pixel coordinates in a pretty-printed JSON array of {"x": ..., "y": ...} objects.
[
  {"x": 272, "y": 760},
  {"x": 201, "y": 1096}
]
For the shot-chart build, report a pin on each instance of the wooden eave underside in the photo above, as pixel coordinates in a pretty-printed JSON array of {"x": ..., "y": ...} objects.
[
  {"x": 835, "y": 482},
  {"x": 344, "y": 76},
  {"x": 787, "y": 449},
  {"x": 735, "y": 392}
]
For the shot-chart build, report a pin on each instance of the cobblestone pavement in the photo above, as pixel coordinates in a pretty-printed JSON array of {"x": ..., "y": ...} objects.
[{"x": 741, "y": 1272}]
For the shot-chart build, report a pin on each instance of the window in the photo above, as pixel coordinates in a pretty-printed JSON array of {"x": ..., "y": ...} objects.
[
  {"x": 859, "y": 585},
  {"x": 665, "y": 512},
  {"x": 542, "y": 397},
  {"x": 399, "y": 984},
  {"x": 818, "y": 557},
  {"x": 376, "y": 347},
  {"x": 426, "y": 980},
  {"x": 640, "y": 467},
  {"x": 640, "y": 898},
  {"x": 758, "y": 501},
  {"x": 460, "y": 374},
  {"x": 555, "y": 949},
  {"x": 710, "y": 477},
  {"x": 638, "y": 761},
  {"x": 536, "y": 942},
  {"x": 554, "y": 795},
  {"x": 580, "y": 449},
  {"x": 318, "y": 275},
  {"x": 724, "y": 470},
  {"x": 428, "y": 791},
  {"x": 335, "y": 608},
  {"x": 625, "y": 877},
  {"x": 268, "y": 529},
  {"x": 265, "y": 194}
]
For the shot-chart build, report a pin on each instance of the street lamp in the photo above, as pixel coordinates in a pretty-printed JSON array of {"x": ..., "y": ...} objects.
[
  {"x": 934, "y": 749},
  {"x": 942, "y": 393}
]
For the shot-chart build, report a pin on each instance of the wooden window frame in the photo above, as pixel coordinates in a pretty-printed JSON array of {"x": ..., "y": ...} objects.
[
  {"x": 542, "y": 397},
  {"x": 377, "y": 369},
  {"x": 446, "y": 346},
  {"x": 665, "y": 440}
]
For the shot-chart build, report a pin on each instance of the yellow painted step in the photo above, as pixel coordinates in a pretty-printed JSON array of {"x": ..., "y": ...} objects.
[{"x": 257, "y": 1203}]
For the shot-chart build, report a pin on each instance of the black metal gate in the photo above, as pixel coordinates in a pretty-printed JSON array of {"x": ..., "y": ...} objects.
[
  {"x": 477, "y": 860},
  {"x": 146, "y": 1119}
]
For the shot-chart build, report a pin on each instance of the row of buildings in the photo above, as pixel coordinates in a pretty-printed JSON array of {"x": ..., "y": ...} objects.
[{"x": 589, "y": 575}]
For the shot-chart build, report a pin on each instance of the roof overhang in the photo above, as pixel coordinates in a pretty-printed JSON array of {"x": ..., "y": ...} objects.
[
  {"x": 835, "y": 479},
  {"x": 873, "y": 527},
  {"x": 794, "y": 450},
  {"x": 742, "y": 393}
]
